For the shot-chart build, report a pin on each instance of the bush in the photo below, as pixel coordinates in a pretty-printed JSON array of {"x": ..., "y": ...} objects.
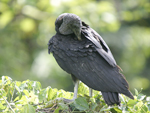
[{"x": 29, "y": 97}]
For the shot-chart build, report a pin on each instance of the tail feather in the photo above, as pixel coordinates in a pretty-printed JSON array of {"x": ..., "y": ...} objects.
[
  {"x": 129, "y": 94},
  {"x": 115, "y": 97},
  {"x": 111, "y": 98}
]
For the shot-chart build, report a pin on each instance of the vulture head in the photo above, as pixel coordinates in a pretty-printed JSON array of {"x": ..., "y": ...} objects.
[{"x": 68, "y": 23}]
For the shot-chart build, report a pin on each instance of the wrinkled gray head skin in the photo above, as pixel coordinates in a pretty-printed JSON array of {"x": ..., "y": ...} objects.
[{"x": 68, "y": 23}]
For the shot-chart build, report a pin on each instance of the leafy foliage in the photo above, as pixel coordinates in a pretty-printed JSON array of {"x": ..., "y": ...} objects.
[
  {"x": 27, "y": 25},
  {"x": 29, "y": 97}
]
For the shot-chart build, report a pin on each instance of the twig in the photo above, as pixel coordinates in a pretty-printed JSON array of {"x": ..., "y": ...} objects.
[
  {"x": 52, "y": 106},
  {"x": 9, "y": 105}
]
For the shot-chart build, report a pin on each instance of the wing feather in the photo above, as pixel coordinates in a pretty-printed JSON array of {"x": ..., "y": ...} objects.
[
  {"x": 90, "y": 34},
  {"x": 99, "y": 77},
  {"x": 91, "y": 69}
]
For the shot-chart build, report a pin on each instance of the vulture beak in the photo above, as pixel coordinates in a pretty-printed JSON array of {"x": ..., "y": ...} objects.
[
  {"x": 70, "y": 24},
  {"x": 79, "y": 37},
  {"x": 77, "y": 32}
]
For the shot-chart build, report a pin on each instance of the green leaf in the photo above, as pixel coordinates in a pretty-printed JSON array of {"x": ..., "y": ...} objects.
[
  {"x": 148, "y": 107},
  {"x": 62, "y": 106},
  {"x": 144, "y": 109},
  {"x": 105, "y": 108},
  {"x": 131, "y": 102},
  {"x": 148, "y": 99},
  {"x": 28, "y": 109},
  {"x": 139, "y": 105},
  {"x": 93, "y": 106},
  {"x": 26, "y": 92},
  {"x": 57, "y": 110},
  {"x": 83, "y": 89},
  {"x": 52, "y": 94},
  {"x": 22, "y": 86},
  {"x": 141, "y": 97},
  {"x": 136, "y": 92},
  {"x": 22, "y": 101},
  {"x": 20, "y": 95},
  {"x": 6, "y": 80},
  {"x": 36, "y": 85},
  {"x": 96, "y": 94},
  {"x": 122, "y": 99},
  {"x": 17, "y": 84},
  {"x": 116, "y": 110},
  {"x": 50, "y": 103},
  {"x": 60, "y": 94},
  {"x": 64, "y": 94},
  {"x": 2, "y": 106},
  {"x": 81, "y": 104},
  {"x": 42, "y": 95}
]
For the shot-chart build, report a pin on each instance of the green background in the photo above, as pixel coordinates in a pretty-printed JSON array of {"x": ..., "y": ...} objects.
[{"x": 27, "y": 25}]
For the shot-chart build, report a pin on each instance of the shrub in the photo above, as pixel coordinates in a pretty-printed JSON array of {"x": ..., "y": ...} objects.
[{"x": 29, "y": 97}]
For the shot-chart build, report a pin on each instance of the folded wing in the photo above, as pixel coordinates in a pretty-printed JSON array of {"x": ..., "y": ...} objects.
[{"x": 100, "y": 44}]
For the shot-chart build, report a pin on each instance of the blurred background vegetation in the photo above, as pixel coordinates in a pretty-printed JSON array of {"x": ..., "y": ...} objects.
[{"x": 27, "y": 25}]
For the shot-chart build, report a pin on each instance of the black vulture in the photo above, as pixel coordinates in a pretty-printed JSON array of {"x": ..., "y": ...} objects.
[{"x": 80, "y": 51}]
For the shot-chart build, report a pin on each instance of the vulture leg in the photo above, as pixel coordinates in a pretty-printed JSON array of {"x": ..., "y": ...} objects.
[
  {"x": 76, "y": 84},
  {"x": 76, "y": 89},
  {"x": 90, "y": 92},
  {"x": 74, "y": 96}
]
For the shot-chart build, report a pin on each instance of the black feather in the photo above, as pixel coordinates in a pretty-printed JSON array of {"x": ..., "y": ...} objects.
[
  {"x": 91, "y": 61},
  {"x": 106, "y": 78},
  {"x": 111, "y": 98}
]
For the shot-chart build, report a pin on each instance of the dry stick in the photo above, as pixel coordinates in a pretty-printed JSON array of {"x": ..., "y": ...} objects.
[{"x": 53, "y": 106}]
